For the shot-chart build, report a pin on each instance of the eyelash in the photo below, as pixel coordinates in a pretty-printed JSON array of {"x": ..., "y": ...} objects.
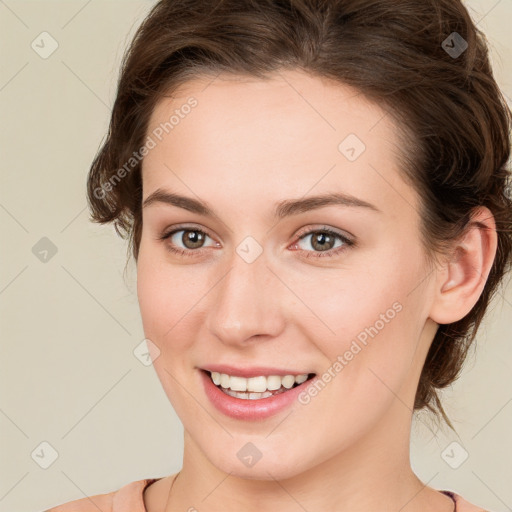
[{"x": 322, "y": 254}]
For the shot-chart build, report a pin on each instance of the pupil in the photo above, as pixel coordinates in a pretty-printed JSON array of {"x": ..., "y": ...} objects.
[
  {"x": 192, "y": 237},
  {"x": 321, "y": 241}
]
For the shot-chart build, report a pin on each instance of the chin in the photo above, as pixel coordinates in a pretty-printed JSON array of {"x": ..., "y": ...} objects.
[{"x": 269, "y": 467}]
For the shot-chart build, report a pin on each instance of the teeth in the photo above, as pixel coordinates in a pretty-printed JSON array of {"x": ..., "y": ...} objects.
[
  {"x": 299, "y": 379},
  {"x": 247, "y": 396},
  {"x": 259, "y": 384}
]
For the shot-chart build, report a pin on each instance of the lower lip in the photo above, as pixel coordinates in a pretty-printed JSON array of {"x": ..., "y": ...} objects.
[{"x": 251, "y": 410}]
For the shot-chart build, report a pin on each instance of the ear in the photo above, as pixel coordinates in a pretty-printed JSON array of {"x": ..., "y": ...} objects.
[{"x": 461, "y": 279}]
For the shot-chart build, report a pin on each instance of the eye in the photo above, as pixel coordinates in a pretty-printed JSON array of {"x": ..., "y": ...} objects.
[
  {"x": 324, "y": 242},
  {"x": 192, "y": 239}
]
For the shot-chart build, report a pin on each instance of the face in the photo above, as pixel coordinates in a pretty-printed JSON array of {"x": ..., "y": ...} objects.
[{"x": 257, "y": 282}]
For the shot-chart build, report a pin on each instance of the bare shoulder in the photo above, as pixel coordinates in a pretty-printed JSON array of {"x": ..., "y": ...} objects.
[
  {"x": 464, "y": 505},
  {"x": 101, "y": 502}
]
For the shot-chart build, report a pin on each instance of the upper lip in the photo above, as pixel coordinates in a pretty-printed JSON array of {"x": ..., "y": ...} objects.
[{"x": 252, "y": 371}]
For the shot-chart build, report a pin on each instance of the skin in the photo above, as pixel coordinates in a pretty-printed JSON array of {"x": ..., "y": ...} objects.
[{"x": 247, "y": 145}]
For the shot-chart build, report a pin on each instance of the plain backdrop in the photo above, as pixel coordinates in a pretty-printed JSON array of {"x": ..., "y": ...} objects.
[{"x": 74, "y": 397}]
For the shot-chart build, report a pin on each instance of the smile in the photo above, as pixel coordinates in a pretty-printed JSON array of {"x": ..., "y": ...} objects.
[
  {"x": 255, "y": 393},
  {"x": 256, "y": 388}
]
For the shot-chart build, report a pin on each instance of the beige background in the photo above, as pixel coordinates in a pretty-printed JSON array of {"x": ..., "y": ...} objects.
[{"x": 69, "y": 325}]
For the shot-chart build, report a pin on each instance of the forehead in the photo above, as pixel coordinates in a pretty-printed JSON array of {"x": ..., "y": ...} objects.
[
  {"x": 327, "y": 105},
  {"x": 289, "y": 133}
]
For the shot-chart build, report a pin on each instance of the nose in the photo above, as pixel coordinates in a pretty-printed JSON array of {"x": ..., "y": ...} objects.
[{"x": 245, "y": 304}]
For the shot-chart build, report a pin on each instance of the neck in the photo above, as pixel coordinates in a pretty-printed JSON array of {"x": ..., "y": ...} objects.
[{"x": 371, "y": 474}]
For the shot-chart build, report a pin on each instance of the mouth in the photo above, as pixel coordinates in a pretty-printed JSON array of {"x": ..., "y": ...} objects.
[{"x": 259, "y": 387}]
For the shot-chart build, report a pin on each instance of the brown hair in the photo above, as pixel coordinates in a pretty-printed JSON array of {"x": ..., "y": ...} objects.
[{"x": 404, "y": 55}]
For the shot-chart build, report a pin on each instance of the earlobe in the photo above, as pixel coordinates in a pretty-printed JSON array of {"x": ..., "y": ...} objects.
[{"x": 461, "y": 280}]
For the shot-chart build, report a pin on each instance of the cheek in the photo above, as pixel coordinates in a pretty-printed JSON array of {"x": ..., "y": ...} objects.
[
  {"x": 368, "y": 323},
  {"x": 156, "y": 291},
  {"x": 353, "y": 303},
  {"x": 163, "y": 304},
  {"x": 169, "y": 298}
]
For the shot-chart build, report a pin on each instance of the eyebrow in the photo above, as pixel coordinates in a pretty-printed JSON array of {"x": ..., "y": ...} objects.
[{"x": 282, "y": 209}]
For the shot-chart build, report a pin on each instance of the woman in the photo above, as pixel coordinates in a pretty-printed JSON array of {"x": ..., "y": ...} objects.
[{"x": 315, "y": 195}]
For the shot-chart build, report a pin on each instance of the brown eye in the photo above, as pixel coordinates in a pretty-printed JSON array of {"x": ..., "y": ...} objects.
[
  {"x": 186, "y": 240},
  {"x": 322, "y": 241},
  {"x": 192, "y": 238}
]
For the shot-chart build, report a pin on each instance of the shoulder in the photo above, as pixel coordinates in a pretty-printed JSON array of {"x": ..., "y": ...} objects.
[
  {"x": 462, "y": 505},
  {"x": 126, "y": 499},
  {"x": 101, "y": 502}
]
